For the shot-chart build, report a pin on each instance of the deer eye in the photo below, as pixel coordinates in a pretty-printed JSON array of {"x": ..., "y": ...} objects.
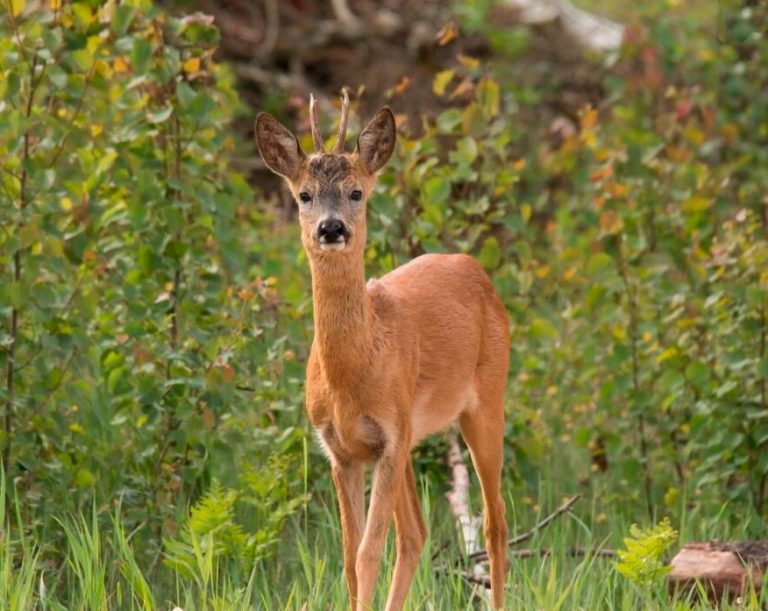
[
  {"x": 356, "y": 195},
  {"x": 305, "y": 197}
]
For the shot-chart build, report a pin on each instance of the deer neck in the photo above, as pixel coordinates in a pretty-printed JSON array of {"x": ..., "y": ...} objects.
[{"x": 343, "y": 316}]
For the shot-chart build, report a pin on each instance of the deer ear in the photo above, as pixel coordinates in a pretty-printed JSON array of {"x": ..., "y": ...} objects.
[
  {"x": 377, "y": 141},
  {"x": 279, "y": 148}
]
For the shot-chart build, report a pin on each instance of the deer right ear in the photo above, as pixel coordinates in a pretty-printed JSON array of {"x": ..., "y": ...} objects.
[{"x": 279, "y": 148}]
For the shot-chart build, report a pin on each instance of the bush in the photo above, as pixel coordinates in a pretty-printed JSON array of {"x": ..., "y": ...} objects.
[{"x": 140, "y": 316}]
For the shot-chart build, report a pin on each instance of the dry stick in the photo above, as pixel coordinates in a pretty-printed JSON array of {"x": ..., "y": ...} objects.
[
  {"x": 14, "y": 323},
  {"x": 458, "y": 497},
  {"x": 482, "y": 555},
  {"x": 631, "y": 292}
]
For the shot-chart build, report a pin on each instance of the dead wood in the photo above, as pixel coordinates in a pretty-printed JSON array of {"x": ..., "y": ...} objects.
[{"x": 726, "y": 570}]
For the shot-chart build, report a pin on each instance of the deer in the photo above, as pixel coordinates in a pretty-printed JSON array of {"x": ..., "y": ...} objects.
[{"x": 392, "y": 360}]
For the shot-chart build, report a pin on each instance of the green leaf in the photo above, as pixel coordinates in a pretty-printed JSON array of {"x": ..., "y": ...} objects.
[
  {"x": 642, "y": 560},
  {"x": 140, "y": 55},
  {"x": 105, "y": 163},
  {"x": 122, "y": 18},
  {"x": 762, "y": 367},
  {"x": 598, "y": 263},
  {"x": 467, "y": 149},
  {"x": 436, "y": 190},
  {"x": 83, "y": 59},
  {"x": 449, "y": 120},
  {"x": 84, "y": 478},
  {"x": 490, "y": 254},
  {"x": 541, "y": 328},
  {"x": 697, "y": 373},
  {"x": 185, "y": 94},
  {"x": 160, "y": 116}
]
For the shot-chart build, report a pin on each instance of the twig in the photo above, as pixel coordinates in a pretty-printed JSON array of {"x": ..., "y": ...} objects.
[
  {"x": 344, "y": 14},
  {"x": 482, "y": 555}
]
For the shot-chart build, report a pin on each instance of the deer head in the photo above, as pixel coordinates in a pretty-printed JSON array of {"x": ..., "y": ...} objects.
[{"x": 331, "y": 189}]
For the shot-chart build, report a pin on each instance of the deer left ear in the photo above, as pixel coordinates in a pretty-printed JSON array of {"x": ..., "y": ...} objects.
[
  {"x": 377, "y": 141},
  {"x": 279, "y": 148}
]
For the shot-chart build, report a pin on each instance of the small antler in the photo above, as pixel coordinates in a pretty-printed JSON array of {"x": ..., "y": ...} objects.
[
  {"x": 316, "y": 137},
  {"x": 339, "y": 148}
]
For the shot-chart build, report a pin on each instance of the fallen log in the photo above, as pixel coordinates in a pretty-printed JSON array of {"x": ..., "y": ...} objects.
[{"x": 726, "y": 570}]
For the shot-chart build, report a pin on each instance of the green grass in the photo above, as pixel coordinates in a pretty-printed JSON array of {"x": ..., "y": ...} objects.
[{"x": 100, "y": 571}]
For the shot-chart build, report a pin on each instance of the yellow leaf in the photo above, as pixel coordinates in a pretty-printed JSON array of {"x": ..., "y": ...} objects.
[
  {"x": 449, "y": 32},
  {"x": 526, "y": 211},
  {"x": 441, "y": 81},
  {"x": 489, "y": 96},
  {"x": 96, "y": 129},
  {"x": 462, "y": 88},
  {"x": 192, "y": 65},
  {"x": 616, "y": 189},
  {"x": 66, "y": 204},
  {"x": 669, "y": 353},
  {"x": 468, "y": 61},
  {"x": 76, "y": 428},
  {"x": 696, "y": 204},
  {"x": 55, "y": 4},
  {"x": 120, "y": 65},
  {"x": 610, "y": 222},
  {"x": 587, "y": 119},
  {"x": 694, "y": 136},
  {"x": 619, "y": 332},
  {"x": 16, "y": 7}
]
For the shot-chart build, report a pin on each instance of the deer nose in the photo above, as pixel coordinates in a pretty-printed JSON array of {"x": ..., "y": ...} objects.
[{"x": 331, "y": 230}]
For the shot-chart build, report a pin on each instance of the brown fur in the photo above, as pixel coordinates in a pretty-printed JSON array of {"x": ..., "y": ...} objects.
[{"x": 392, "y": 362}]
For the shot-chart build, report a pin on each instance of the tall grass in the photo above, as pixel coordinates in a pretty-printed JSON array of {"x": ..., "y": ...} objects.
[{"x": 99, "y": 569}]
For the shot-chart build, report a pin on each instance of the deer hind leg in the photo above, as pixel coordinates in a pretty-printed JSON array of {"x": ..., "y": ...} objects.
[
  {"x": 349, "y": 479},
  {"x": 411, "y": 536},
  {"x": 483, "y": 431}
]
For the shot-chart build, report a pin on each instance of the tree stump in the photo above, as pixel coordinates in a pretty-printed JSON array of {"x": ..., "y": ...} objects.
[{"x": 726, "y": 569}]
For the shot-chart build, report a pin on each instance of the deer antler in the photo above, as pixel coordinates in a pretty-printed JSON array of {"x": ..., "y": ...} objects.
[
  {"x": 339, "y": 148},
  {"x": 316, "y": 137}
]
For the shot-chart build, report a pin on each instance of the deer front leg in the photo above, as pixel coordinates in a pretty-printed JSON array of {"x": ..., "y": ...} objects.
[
  {"x": 349, "y": 480},
  {"x": 411, "y": 536},
  {"x": 387, "y": 481}
]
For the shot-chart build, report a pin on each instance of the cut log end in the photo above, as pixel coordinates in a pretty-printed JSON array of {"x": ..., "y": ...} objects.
[{"x": 720, "y": 568}]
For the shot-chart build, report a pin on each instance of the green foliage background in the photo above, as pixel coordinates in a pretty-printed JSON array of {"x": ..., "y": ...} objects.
[{"x": 155, "y": 318}]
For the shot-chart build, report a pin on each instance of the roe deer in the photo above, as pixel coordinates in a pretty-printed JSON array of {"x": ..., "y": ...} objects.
[{"x": 393, "y": 360}]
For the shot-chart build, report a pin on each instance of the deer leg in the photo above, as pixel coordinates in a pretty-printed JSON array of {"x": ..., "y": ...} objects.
[
  {"x": 411, "y": 536},
  {"x": 349, "y": 479},
  {"x": 484, "y": 435},
  {"x": 387, "y": 480}
]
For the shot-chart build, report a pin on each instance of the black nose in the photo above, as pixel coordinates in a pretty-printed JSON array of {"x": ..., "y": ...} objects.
[{"x": 331, "y": 230}]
